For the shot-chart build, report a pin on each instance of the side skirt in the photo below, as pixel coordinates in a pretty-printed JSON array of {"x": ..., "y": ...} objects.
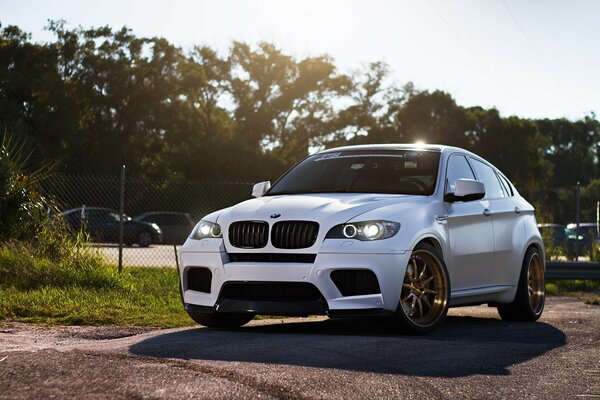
[{"x": 480, "y": 295}]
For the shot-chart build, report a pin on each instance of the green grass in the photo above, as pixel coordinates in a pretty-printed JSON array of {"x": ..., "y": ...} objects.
[
  {"x": 142, "y": 297},
  {"x": 587, "y": 290},
  {"x": 80, "y": 289}
]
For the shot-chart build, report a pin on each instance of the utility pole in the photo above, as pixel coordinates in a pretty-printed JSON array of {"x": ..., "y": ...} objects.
[
  {"x": 598, "y": 219},
  {"x": 577, "y": 219},
  {"x": 121, "y": 216}
]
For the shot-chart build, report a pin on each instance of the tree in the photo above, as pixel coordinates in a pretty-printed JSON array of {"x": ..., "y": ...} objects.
[
  {"x": 33, "y": 103},
  {"x": 282, "y": 105}
]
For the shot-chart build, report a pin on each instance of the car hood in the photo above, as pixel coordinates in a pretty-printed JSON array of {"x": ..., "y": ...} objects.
[{"x": 327, "y": 209}]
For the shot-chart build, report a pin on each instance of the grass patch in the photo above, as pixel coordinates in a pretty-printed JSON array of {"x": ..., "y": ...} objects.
[
  {"x": 80, "y": 289},
  {"x": 587, "y": 290},
  {"x": 141, "y": 297}
]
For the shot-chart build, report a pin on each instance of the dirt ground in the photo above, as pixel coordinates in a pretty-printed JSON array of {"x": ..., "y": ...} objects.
[{"x": 473, "y": 355}]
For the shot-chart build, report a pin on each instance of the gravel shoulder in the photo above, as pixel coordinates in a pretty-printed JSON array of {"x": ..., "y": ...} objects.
[{"x": 473, "y": 355}]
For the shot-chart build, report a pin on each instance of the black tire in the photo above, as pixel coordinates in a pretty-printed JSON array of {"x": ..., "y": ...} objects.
[
  {"x": 403, "y": 319},
  {"x": 144, "y": 239},
  {"x": 221, "y": 320},
  {"x": 529, "y": 301}
]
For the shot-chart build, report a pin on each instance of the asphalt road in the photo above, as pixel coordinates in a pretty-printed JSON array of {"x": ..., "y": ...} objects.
[{"x": 473, "y": 355}]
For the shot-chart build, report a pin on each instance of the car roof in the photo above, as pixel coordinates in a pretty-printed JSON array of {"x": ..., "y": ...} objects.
[
  {"x": 78, "y": 209},
  {"x": 398, "y": 146},
  {"x": 163, "y": 212}
]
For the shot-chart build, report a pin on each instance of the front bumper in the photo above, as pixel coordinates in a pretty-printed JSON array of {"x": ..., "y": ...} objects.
[{"x": 389, "y": 269}]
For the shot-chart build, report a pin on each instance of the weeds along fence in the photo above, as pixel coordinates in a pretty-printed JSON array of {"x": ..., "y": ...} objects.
[{"x": 95, "y": 204}]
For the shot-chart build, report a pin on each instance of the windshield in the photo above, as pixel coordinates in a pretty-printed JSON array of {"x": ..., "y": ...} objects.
[{"x": 362, "y": 171}]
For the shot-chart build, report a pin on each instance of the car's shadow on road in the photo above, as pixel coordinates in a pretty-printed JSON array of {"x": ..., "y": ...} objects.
[{"x": 462, "y": 346}]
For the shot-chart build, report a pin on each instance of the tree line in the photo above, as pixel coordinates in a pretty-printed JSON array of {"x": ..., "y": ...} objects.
[{"x": 91, "y": 100}]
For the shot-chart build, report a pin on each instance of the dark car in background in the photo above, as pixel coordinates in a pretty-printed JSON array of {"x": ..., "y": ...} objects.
[
  {"x": 102, "y": 224},
  {"x": 175, "y": 226},
  {"x": 559, "y": 235},
  {"x": 588, "y": 235}
]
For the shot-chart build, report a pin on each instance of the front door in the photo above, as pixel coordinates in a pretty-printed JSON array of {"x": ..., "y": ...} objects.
[{"x": 470, "y": 233}]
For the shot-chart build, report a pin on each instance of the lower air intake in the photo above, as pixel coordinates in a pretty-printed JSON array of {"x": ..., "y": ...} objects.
[
  {"x": 355, "y": 282},
  {"x": 277, "y": 291},
  {"x": 199, "y": 279}
]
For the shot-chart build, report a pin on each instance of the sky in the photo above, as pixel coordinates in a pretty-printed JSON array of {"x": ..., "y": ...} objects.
[{"x": 530, "y": 58}]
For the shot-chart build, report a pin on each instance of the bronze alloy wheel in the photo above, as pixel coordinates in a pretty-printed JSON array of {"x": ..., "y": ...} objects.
[
  {"x": 536, "y": 288},
  {"x": 528, "y": 303},
  {"x": 424, "y": 295}
]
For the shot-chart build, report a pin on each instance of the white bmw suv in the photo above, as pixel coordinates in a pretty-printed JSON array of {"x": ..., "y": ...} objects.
[{"x": 402, "y": 231}]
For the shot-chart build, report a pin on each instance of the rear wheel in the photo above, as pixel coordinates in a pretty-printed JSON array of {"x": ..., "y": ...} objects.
[
  {"x": 529, "y": 301},
  {"x": 425, "y": 292},
  {"x": 221, "y": 320}
]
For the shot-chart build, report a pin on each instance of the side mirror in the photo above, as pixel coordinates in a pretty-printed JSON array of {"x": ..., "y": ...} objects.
[
  {"x": 466, "y": 190},
  {"x": 261, "y": 188}
]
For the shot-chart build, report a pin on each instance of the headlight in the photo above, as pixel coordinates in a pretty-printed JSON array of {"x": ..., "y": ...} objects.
[
  {"x": 205, "y": 229},
  {"x": 368, "y": 230}
]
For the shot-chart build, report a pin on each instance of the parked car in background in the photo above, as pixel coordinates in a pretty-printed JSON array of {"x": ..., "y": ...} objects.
[
  {"x": 175, "y": 226},
  {"x": 397, "y": 231},
  {"x": 588, "y": 235},
  {"x": 102, "y": 224},
  {"x": 559, "y": 235}
]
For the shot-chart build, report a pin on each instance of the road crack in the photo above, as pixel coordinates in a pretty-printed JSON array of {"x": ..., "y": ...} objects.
[{"x": 267, "y": 388}]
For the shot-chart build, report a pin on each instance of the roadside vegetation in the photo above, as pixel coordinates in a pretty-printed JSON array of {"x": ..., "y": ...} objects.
[
  {"x": 51, "y": 275},
  {"x": 94, "y": 295},
  {"x": 587, "y": 290}
]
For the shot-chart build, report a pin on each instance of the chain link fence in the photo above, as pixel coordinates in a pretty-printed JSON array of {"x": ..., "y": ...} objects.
[{"x": 158, "y": 214}]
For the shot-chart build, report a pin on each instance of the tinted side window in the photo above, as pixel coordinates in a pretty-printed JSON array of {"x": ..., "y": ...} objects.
[
  {"x": 165, "y": 219},
  {"x": 486, "y": 174},
  {"x": 506, "y": 185},
  {"x": 458, "y": 168},
  {"x": 98, "y": 216}
]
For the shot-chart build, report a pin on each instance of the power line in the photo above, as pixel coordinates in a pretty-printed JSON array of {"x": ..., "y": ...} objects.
[
  {"x": 468, "y": 48},
  {"x": 538, "y": 55}
]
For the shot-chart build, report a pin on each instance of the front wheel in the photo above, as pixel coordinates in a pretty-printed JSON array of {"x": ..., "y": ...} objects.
[
  {"x": 425, "y": 292},
  {"x": 531, "y": 291},
  {"x": 221, "y": 320}
]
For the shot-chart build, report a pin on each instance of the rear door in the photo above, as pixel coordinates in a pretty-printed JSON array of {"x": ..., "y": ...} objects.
[{"x": 509, "y": 230}]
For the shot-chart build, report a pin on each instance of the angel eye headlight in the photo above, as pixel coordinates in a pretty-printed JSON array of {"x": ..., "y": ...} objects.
[
  {"x": 205, "y": 230},
  {"x": 349, "y": 231},
  {"x": 365, "y": 231}
]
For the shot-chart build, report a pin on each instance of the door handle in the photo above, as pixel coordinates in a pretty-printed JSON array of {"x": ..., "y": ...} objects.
[
  {"x": 517, "y": 210},
  {"x": 487, "y": 212}
]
